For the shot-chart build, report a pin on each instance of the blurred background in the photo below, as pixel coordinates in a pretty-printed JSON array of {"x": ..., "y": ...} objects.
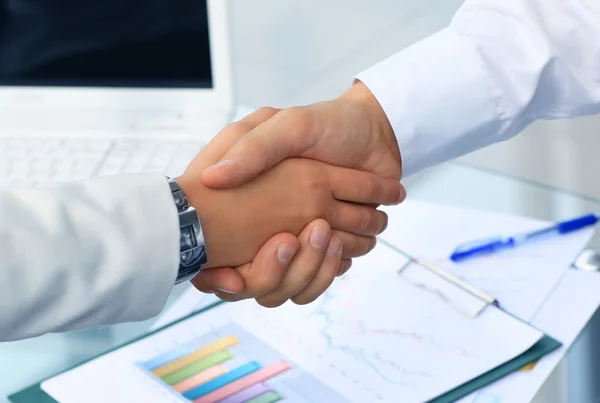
[{"x": 297, "y": 52}]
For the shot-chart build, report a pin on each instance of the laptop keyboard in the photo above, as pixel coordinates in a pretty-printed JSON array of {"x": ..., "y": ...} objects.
[{"x": 29, "y": 162}]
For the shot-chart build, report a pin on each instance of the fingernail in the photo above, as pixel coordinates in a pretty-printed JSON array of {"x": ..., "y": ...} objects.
[
  {"x": 335, "y": 245},
  {"x": 402, "y": 195},
  {"x": 221, "y": 289},
  {"x": 285, "y": 253},
  {"x": 319, "y": 237},
  {"x": 220, "y": 164}
]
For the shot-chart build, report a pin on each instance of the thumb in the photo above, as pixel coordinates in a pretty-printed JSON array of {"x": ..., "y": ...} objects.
[
  {"x": 224, "y": 280},
  {"x": 287, "y": 134}
]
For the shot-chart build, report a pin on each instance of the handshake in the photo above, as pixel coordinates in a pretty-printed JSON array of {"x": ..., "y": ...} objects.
[{"x": 287, "y": 198}]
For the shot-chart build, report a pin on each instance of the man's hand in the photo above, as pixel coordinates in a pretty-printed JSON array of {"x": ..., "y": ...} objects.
[
  {"x": 237, "y": 222},
  {"x": 287, "y": 267},
  {"x": 351, "y": 131},
  {"x": 283, "y": 261}
]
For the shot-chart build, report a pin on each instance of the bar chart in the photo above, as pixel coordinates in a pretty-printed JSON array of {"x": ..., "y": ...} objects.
[{"x": 230, "y": 365}]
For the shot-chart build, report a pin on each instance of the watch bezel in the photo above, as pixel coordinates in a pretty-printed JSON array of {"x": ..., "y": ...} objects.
[{"x": 193, "y": 257}]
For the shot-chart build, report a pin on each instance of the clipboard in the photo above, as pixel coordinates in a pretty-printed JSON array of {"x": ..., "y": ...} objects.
[{"x": 545, "y": 345}]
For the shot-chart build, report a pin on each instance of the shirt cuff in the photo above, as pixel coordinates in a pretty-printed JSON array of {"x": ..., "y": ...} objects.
[
  {"x": 141, "y": 245},
  {"x": 154, "y": 246},
  {"x": 437, "y": 100}
]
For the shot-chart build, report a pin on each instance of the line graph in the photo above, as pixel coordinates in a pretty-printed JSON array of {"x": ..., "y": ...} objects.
[{"x": 390, "y": 340}]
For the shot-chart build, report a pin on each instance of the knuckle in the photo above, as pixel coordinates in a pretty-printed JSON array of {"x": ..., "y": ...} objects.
[
  {"x": 261, "y": 285},
  {"x": 241, "y": 126},
  {"x": 312, "y": 181},
  {"x": 367, "y": 220},
  {"x": 369, "y": 189},
  {"x": 266, "y": 112},
  {"x": 318, "y": 203},
  {"x": 352, "y": 245},
  {"x": 298, "y": 119}
]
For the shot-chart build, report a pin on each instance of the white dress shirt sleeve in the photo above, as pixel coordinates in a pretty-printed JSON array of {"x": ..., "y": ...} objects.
[
  {"x": 84, "y": 254},
  {"x": 499, "y": 66}
]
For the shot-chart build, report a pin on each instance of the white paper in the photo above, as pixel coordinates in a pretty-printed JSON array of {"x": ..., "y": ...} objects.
[
  {"x": 520, "y": 279},
  {"x": 563, "y": 316},
  {"x": 372, "y": 337}
]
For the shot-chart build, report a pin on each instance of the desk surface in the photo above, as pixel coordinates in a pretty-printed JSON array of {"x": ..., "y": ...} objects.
[{"x": 305, "y": 51}]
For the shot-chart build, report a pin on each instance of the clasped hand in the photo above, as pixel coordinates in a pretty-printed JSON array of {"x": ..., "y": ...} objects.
[{"x": 280, "y": 227}]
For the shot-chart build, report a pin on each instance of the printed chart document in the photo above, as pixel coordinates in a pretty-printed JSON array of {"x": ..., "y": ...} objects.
[
  {"x": 563, "y": 316},
  {"x": 521, "y": 278},
  {"x": 376, "y": 336}
]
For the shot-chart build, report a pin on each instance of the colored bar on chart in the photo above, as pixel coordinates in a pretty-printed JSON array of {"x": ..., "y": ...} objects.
[
  {"x": 168, "y": 357},
  {"x": 269, "y": 397},
  {"x": 217, "y": 358},
  {"x": 200, "y": 378},
  {"x": 218, "y": 345},
  {"x": 247, "y": 394},
  {"x": 223, "y": 380},
  {"x": 231, "y": 388}
]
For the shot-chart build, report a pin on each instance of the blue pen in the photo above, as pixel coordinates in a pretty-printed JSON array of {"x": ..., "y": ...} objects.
[{"x": 491, "y": 245}]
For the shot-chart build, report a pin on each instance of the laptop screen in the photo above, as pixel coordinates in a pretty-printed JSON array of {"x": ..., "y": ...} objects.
[{"x": 105, "y": 43}]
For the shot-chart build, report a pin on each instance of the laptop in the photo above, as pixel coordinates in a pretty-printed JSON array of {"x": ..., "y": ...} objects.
[{"x": 102, "y": 87}]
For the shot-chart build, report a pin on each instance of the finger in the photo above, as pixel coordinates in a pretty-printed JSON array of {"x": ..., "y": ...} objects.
[
  {"x": 259, "y": 116},
  {"x": 364, "y": 187},
  {"x": 325, "y": 275},
  {"x": 227, "y": 137},
  {"x": 355, "y": 245},
  {"x": 286, "y": 134},
  {"x": 357, "y": 219},
  {"x": 230, "y": 297},
  {"x": 267, "y": 270},
  {"x": 345, "y": 265},
  {"x": 224, "y": 280},
  {"x": 313, "y": 247}
]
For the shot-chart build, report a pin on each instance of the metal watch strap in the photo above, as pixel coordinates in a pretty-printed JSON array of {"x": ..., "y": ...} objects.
[{"x": 192, "y": 249}]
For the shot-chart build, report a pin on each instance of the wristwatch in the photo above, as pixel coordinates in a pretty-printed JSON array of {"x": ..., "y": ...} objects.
[{"x": 192, "y": 249}]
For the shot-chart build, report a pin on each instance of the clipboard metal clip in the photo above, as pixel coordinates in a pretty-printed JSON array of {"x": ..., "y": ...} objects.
[{"x": 451, "y": 289}]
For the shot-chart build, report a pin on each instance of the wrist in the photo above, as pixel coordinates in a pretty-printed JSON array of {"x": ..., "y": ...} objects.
[
  {"x": 380, "y": 126},
  {"x": 192, "y": 189},
  {"x": 207, "y": 207}
]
